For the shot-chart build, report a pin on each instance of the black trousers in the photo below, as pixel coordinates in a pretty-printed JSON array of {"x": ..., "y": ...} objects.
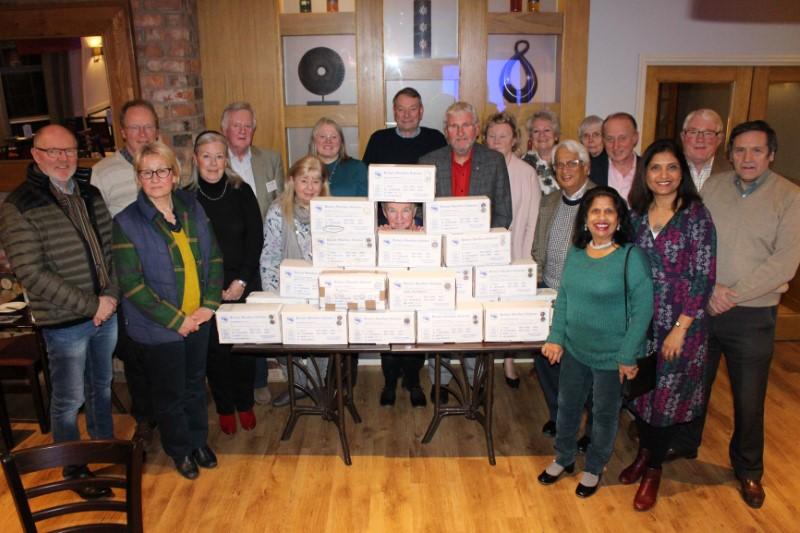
[
  {"x": 406, "y": 366},
  {"x": 177, "y": 372},
  {"x": 657, "y": 440},
  {"x": 746, "y": 336},
  {"x": 130, "y": 353},
  {"x": 231, "y": 377}
]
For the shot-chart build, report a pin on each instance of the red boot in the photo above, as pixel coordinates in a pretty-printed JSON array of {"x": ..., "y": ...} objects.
[
  {"x": 247, "y": 419},
  {"x": 227, "y": 423},
  {"x": 635, "y": 470},
  {"x": 647, "y": 494}
]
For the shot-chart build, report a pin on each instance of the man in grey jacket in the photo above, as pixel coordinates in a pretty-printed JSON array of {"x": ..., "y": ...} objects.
[{"x": 56, "y": 231}]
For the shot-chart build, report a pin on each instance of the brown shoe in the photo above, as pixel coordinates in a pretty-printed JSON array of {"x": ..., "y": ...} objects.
[
  {"x": 647, "y": 494},
  {"x": 634, "y": 471},
  {"x": 752, "y": 493}
]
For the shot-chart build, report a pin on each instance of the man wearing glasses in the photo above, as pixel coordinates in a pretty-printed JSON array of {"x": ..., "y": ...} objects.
[
  {"x": 701, "y": 136},
  {"x": 116, "y": 179},
  {"x": 114, "y": 175},
  {"x": 56, "y": 231}
]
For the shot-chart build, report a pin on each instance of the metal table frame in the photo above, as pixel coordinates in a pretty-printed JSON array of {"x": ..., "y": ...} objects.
[{"x": 474, "y": 398}]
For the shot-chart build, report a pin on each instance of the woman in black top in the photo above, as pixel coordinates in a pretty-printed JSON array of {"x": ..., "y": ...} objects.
[{"x": 233, "y": 210}]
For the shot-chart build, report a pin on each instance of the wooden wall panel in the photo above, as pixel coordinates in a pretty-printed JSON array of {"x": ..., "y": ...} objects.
[
  {"x": 240, "y": 59},
  {"x": 574, "y": 61},
  {"x": 472, "y": 48},
  {"x": 369, "y": 49}
]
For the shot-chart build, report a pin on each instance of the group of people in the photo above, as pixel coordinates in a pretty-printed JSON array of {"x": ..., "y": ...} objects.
[{"x": 648, "y": 254}]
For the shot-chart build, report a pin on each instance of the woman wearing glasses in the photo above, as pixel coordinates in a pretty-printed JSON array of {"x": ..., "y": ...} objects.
[
  {"x": 233, "y": 210},
  {"x": 170, "y": 272}
]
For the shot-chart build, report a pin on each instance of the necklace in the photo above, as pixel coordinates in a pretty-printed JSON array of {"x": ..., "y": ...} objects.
[
  {"x": 594, "y": 246},
  {"x": 224, "y": 190}
]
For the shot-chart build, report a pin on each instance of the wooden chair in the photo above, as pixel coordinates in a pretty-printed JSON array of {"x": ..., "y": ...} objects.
[{"x": 116, "y": 452}]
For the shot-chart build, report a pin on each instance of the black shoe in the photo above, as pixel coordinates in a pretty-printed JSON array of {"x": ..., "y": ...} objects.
[
  {"x": 583, "y": 443},
  {"x": 442, "y": 395},
  {"x": 388, "y": 396},
  {"x": 417, "y": 397},
  {"x": 87, "y": 493},
  {"x": 584, "y": 492},
  {"x": 673, "y": 454},
  {"x": 549, "y": 428},
  {"x": 513, "y": 383},
  {"x": 282, "y": 399},
  {"x": 204, "y": 457},
  {"x": 144, "y": 432},
  {"x": 186, "y": 467},
  {"x": 546, "y": 479}
]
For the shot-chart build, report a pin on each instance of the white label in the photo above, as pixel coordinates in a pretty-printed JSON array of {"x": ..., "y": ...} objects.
[
  {"x": 516, "y": 324},
  {"x": 515, "y": 282},
  {"x": 351, "y": 216},
  {"x": 409, "y": 248},
  {"x": 272, "y": 186},
  {"x": 493, "y": 248},
  {"x": 314, "y": 328},
  {"x": 390, "y": 327},
  {"x": 469, "y": 214},
  {"x": 402, "y": 183},
  {"x": 344, "y": 250},
  {"x": 442, "y": 326}
]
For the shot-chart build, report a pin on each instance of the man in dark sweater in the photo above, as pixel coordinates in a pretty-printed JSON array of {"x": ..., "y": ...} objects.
[{"x": 406, "y": 143}]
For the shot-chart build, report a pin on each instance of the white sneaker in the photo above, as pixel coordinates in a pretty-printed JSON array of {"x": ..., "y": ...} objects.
[{"x": 263, "y": 396}]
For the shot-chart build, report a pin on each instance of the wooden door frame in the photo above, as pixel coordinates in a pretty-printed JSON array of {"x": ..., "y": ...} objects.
[
  {"x": 762, "y": 77},
  {"x": 110, "y": 19}
]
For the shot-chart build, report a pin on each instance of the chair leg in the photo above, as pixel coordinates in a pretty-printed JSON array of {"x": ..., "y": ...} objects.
[
  {"x": 5, "y": 423},
  {"x": 42, "y": 415}
]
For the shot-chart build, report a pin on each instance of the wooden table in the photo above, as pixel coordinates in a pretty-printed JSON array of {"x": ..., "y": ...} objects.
[{"x": 474, "y": 398}]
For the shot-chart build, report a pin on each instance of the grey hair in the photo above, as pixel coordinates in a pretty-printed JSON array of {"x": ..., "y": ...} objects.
[
  {"x": 460, "y": 107},
  {"x": 574, "y": 147},
  {"x": 208, "y": 137},
  {"x": 705, "y": 113},
  {"x": 547, "y": 115},
  {"x": 591, "y": 120},
  {"x": 236, "y": 106}
]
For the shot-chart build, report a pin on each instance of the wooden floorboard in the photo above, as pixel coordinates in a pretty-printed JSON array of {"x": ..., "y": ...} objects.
[{"x": 398, "y": 484}]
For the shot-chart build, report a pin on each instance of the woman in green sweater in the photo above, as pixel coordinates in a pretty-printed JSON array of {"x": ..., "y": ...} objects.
[{"x": 593, "y": 337}]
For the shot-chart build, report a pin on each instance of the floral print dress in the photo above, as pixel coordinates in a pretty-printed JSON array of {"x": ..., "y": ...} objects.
[
  {"x": 683, "y": 261},
  {"x": 545, "y": 172}
]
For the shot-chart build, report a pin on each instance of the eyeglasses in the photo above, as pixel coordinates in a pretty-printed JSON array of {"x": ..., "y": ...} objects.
[
  {"x": 58, "y": 152},
  {"x": 708, "y": 134},
  {"x": 141, "y": 127},
  {"x": 150, "y": 175},
  {"x": 573, "y": 164}
]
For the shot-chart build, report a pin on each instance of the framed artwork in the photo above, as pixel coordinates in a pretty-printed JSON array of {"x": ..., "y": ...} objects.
[
  {"x": 319, "y": 69},
  {"x": 540, "y": 52}
]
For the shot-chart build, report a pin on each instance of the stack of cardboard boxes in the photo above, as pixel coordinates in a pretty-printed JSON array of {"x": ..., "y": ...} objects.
[{"x": 453, "y": 282}]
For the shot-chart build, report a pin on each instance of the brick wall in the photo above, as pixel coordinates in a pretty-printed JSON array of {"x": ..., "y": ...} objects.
[{"x": 168, "y": 61}]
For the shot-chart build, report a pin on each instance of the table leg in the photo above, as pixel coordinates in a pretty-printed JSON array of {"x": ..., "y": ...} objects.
[
  {"x": 293, "y": 415},
  {"x": 488, "y": 406},
  {"x": 340, "y": 416},
  {"x": 437, "y": 416},
  {"x": 5, "y": 422},
  {"x": 351, "y": 406}
]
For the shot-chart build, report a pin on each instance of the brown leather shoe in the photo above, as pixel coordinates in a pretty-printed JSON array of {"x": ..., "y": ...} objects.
[
  {"x": 752, "y": 493},
  {"x": 634, "y": 471},
  {"x": 647, "y": 494}
]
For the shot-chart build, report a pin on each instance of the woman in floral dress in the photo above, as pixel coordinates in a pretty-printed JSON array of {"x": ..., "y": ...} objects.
[{"x": 673, "y": 227}]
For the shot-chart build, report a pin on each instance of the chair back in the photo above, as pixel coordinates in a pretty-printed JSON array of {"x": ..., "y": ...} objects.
[{"x": 115, "y": 452}]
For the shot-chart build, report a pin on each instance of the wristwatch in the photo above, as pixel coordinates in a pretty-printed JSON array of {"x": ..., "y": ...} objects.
[
  {"x": 241, "y": 282},
  {"x": 677, "y": 324}
]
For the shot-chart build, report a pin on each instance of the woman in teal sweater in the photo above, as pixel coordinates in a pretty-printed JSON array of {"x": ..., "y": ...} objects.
[{"x": 591, "y": 336}]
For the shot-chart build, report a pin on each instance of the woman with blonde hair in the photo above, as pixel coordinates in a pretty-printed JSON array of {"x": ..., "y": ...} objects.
[
  {"x": 232, "y": 207},
  {"x": 346, "y": 176},
  {"x": 170, "y": 272},
  {"x": 287, "y": 235}
]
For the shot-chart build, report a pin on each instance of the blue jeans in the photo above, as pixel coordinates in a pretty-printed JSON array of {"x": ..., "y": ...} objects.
[
  {"x": 80, "y": 371},
  {"x": 575, "y": 383}
]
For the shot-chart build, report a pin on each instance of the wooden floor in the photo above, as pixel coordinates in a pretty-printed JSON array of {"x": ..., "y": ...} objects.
[{"x": 398, "y": 484}]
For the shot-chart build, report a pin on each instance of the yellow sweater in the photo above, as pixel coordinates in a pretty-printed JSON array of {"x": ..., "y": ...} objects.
[{"x": 191, "y": 281}]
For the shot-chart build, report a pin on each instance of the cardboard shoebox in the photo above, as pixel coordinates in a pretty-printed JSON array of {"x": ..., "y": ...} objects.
[
  {"x": 381, "y": 327},
  {"x": 342, "y": 214},
  {"x": 516, "y": 321},
  {"x": 299, "y": 279},
  {"x": 404, "y": 248},
  {"x": 339, "y": 250},
  {"x": 381, "y": 269},
  {"x": 463, "y": 276},
  {"x": 269, "y": 297},
  {"x": 249, "y": 323},
  {"x": 308, "y": 325},
  {"x": 458, "y": 214},
  {"x": 462, "y": 324},
  {"x": 409, "y": 291},
  {"x": 402, "y": 183},
  {"x": 502, "y": 283},
  {"x": 492, "y": 248},
  {"x": 546, "y": 295},
  {"x": 352, "y": 290}
]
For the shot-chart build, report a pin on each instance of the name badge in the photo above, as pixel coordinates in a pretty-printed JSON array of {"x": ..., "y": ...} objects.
[{"x": 272, "y": 186}]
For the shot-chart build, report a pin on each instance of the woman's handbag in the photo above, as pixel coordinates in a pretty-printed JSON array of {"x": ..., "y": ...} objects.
[{"x": 645, "y": 379}]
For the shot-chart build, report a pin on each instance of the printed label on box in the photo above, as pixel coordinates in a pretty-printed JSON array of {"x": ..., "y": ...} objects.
[
  {"x": 343, "y": 250},
  {"x": 501, "y": 283},
  {"x": 340, "y": 214},
  {"x": 493, "y": 248},
  {"x": 516, "y": 321},
  {"x": 458, "y": 214},
  {"x": 302, "y": 324},
  {"x": 410, "y": 291},
  {"x": 388, "y": 327},
  {"x": 409, "y": 248},
  {"x": 249, "y": 323},
  {"x": 463, "y": 324},
  {"x": 402, "y": 183}
]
